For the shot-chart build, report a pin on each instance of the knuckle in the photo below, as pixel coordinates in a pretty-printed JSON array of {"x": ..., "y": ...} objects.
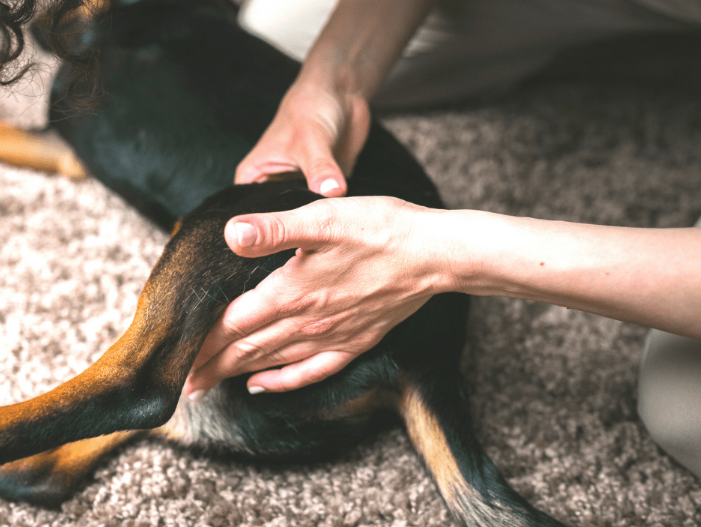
[
  {"x": 319, "y": 328},
  {"x": 246, "y": 350},
  {"x": 366, "y": 342},
  {"x": 277, "y": 231},
  {"x": 323, "y": 221},
  {"x": 232, "y": 329},
  {"x": 276, "y": 358},
  {"x": 324, "y": 167}
]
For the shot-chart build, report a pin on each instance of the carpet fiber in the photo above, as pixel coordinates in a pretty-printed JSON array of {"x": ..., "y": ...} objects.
[{"x": 553, "y": 390}]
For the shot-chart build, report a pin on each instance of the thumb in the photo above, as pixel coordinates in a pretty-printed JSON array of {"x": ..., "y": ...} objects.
[
  {"x": 325, "y": 177},
  {"x": 254, "y": 235},
  {"x": 321, "y": 170}
]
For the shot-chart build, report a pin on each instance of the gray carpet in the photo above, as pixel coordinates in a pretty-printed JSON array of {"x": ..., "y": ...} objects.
[{"x": 553, "y": 390}]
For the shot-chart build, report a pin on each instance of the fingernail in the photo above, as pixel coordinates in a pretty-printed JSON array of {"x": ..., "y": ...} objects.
[
  {"x": 255, "y": 389},
  {"x": 197, "y": 395},
  {"x": 327, "y": 186},
  {"x": 246, "y": 234}
]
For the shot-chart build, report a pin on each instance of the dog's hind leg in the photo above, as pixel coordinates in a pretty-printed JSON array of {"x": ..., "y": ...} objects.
[
  {"x": 435, "y": 411},
  {"x": 50, "y": 478},
  {"x": 137, "y": 383}
]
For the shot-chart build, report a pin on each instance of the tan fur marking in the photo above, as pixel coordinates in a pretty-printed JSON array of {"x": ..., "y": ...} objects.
[
  {"x": 70, "y": 462},
  {"x": 430, "y": 441},
  {"x": 38, "y": 152},
  {"x": 463, "y": 500},
  {"x": 127, "y": 354},
  {"x": 367, "y": 403}
]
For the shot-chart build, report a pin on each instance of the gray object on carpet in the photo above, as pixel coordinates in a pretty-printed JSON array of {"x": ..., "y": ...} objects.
[{"x": 553, "y": 390}]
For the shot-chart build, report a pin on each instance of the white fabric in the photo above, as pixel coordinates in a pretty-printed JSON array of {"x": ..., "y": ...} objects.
[
  {"x": 291, "y": 26},
  {"x": 469, "y": 46}
]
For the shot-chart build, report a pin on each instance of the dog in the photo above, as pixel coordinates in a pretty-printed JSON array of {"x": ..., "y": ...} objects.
[{"x": 189, "y": 94}]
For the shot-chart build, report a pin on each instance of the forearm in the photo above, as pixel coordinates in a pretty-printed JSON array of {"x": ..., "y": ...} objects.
[
  {"x": 360, "y": 42},
  {"x": 650, "y": 277},
  {"x": 323, "y": 121}
]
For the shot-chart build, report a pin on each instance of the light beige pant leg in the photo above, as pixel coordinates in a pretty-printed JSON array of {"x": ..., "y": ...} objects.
[
  {"x": 465, "y": 46},
  {"x": 669, "y": 395}
]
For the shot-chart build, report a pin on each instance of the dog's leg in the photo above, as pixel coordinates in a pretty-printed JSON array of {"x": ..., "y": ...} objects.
[
  {"x": 136, "y": 384},
  {"x": 437, "y": 420},
  {"x": 50, "y": 478},
  {"x": 45, "y": 152}
]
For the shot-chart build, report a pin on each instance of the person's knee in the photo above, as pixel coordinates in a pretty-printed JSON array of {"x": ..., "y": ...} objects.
[
  {"x": 665, "y": 419},
  {"x": 669, "y": 396},
  {"x": 673, "y": 430}
]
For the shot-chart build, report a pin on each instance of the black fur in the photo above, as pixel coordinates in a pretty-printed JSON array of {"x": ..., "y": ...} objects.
[{"x": 190, "y": 94}]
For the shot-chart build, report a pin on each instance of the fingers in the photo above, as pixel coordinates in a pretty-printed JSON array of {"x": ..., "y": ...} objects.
[
  {"x": 309, "y": 228},
  {"x": 321, "y": 170},
  {"x": 251, "y": 312},
  {"x": 311, "y": 154},
  {"x": 305, "y": 371},
  {"x": 354, "y": 136},
  {"x": 228, "y": 363},
  {"x": 317, "y": 132},
  {"x": 255, "y": 168},
  {"x": 315, "y": 161},
  {"x": 299, "y": 374}
]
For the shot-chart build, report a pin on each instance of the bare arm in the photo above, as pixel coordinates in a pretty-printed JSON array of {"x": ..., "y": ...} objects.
[
  {"x": 352, "y": 281},
  {"x": 650, "y": 277},
  {"x": 360, "y": 43},
  {"x": 323, "y": 120}
]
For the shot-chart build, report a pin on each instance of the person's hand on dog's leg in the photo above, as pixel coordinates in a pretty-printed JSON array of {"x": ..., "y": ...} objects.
[
  {"x": 316, "y": 132},
  {"x": 323, "y": 120},
  {"x": 364, "y": 265}
]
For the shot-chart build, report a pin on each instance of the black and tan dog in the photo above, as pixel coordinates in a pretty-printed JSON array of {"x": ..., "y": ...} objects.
[{"x": 189, "y": 95}]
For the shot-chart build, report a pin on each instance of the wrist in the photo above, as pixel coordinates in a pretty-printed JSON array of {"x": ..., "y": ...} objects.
[
  {"x": 332, "y": 83},
  {"x": 475, "y": 252},
  {"x": 332, "y": 74},
  {"x": 450, "y": 251},
  {"x": 361, "y": 41}
]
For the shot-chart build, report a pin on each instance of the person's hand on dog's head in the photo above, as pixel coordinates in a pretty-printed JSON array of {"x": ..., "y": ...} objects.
[
  {"x": 315, "y": 131},
  {"x": 362, "y": 266}
]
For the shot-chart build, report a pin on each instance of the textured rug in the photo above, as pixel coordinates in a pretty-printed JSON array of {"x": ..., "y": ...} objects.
[{"x": 553, "y": 390}]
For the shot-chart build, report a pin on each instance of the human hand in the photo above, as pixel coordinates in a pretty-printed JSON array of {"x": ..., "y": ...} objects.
[
  {"x": 315, "y": 131},
  {"x": 362, "y": 266}
]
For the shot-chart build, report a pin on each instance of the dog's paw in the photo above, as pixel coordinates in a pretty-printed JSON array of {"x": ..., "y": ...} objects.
[
  {"x": 37, "y": 480},
  {"x": 50, "y": 478}
]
